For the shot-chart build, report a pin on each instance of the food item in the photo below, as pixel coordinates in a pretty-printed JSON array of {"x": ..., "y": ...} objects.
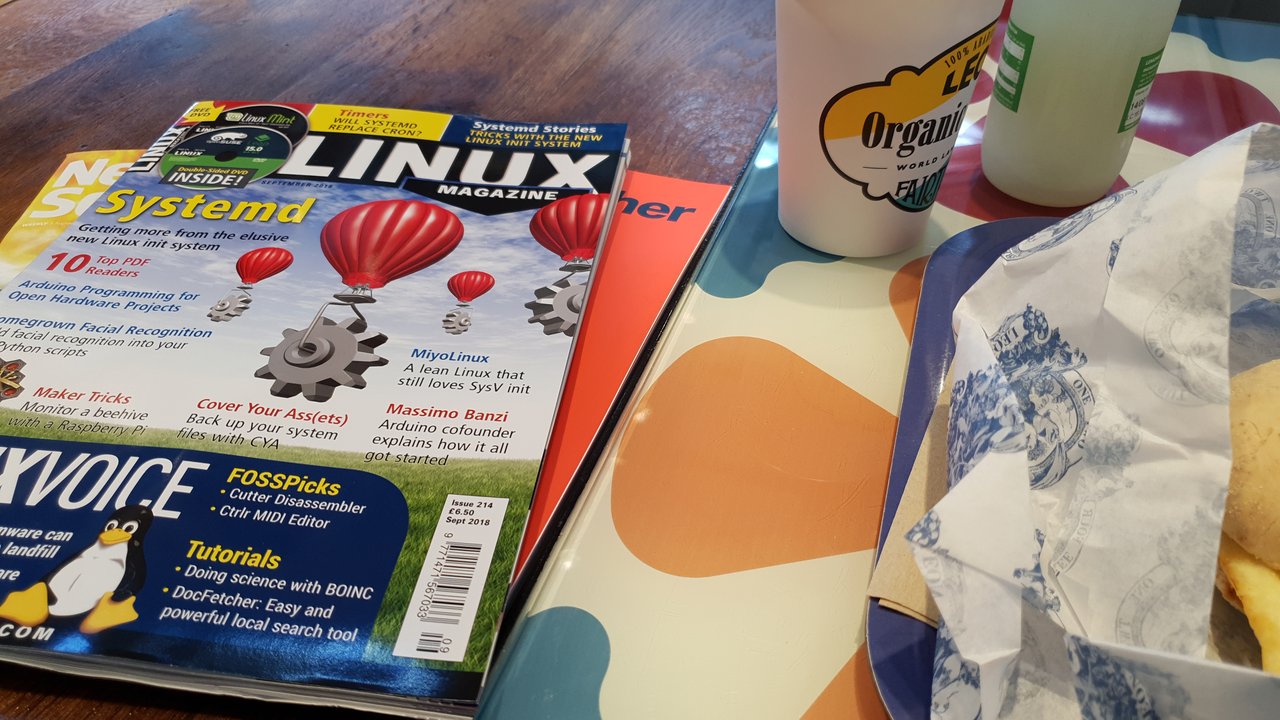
[
  {"x": 1249, "y": 557},
  {"x": 1254, "y": 588}
]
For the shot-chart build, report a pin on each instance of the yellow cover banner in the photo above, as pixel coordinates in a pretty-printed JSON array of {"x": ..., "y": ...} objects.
[
  {"x": 77, "y": 183},
  {"x": 411, "y": 124}
]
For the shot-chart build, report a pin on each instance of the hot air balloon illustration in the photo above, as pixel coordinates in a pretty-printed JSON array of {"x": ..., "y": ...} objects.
[
  {"x": 369, "y": 245},
  {"x": 377, "y": 242},
  {"x": 465, "y": 286},
  {"x": 569, "y": 227},
  {"x": 253, "y": 267}
]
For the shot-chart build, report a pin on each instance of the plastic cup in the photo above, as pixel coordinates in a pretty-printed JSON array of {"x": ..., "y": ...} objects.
[{"x": 870, "y": 101}]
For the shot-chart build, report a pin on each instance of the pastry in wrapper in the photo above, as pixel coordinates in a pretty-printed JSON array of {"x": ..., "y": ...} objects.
[
  {"x": 1249, "y": 556},
  {"x": 1254, "y": 588}
]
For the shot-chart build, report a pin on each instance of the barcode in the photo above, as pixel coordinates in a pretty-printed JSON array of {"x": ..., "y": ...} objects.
[
  {"x": 430, "y": 642},
  {"x": 446, "y": 597},
  {"x": 457, "y": 570}
]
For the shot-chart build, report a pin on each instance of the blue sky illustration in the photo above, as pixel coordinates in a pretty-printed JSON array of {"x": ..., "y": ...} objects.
[{"x": 408, "y": 310}]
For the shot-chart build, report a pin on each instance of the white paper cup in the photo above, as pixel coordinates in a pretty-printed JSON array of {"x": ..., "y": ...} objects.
[{"x": 870, "y": 99}]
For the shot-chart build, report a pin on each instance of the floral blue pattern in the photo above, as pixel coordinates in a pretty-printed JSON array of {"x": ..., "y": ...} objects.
[
  {"x": 1105, "y": 689},
  {"x": 1034, "y": 588},
  {"x": 1042, "y": 370},
  {"x": 1111, "y": 256},
  {"x": 1256, "y": 260},
  {"x": 955, "y": 681},
  {"x": 1068, "y": 228},
  {"x": 926, "y": 532},
  {"x": 984, "y": 417}
]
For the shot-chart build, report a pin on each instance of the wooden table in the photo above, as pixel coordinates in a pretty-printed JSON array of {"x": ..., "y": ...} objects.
[{"x": 695, "y": 80}]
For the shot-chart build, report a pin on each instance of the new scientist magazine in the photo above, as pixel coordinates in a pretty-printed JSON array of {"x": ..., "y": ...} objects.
[
  {"x": 273, "y": 406},
  {"x": 79, "y": 181}
]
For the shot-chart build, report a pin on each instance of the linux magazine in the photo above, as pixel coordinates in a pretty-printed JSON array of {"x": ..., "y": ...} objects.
[{"x": 273, "y": 405}]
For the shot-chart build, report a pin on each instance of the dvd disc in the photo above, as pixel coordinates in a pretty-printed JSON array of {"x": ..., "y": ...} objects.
[
  {"x": 232, "y": 156},
  {"x": 273, "y": 117}
]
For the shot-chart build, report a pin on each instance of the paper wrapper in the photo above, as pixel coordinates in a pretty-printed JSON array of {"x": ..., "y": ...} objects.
[{"x": 1089, "y": 451}]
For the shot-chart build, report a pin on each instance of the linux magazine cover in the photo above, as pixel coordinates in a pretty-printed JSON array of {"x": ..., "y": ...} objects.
[{"x": 274, "y": 404}]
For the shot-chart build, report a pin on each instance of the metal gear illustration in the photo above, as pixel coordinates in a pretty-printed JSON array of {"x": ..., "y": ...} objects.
[
  {"x": 558, "y": 306},
  {"x": 457, "y": 322},
  {"x": 232, "y": 305},
  {"x": 334, "y": 354}
]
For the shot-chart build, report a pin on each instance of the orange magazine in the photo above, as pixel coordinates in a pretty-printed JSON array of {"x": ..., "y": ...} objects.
[{"x": 660, "y": 225}]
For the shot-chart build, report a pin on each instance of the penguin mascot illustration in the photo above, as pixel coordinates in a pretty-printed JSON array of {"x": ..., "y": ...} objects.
[{"x": 102, "y": 580}]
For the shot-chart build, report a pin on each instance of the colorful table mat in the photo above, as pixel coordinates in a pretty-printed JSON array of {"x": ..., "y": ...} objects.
[{"x": 716, "y": 565}]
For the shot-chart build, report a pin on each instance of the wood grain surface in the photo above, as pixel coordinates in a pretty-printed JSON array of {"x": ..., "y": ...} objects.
[{"x": 693, "y": 78}]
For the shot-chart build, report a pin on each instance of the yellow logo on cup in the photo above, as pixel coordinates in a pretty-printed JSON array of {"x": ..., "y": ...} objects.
[{"x": 894, "y": 138}]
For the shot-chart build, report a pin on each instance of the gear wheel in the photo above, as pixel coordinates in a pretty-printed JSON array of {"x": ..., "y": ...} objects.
[
  {"x": 232, "y": 305},
  {"x": 558, "y": 305},
  {"x": 339, "y": 353},
  {"x": 457, "y": 322}
]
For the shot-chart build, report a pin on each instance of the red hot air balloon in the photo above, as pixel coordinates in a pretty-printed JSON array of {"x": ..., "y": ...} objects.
[
  {"x": 253, "y": 267},
  {"x": 570, "y": 227},
  {"x": 372, "y": 244},
  {"x": 258, "y": 265},
  {"x": 469, "y": 285}
]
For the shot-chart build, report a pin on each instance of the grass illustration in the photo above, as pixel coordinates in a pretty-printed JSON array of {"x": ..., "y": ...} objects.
[{"x": 425, "y": 488}]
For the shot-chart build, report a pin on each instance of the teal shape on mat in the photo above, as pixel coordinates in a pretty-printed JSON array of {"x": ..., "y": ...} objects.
[
  {"x": 1239, "y": 40},
  {"x": 552, "y": 670},
  {"x": 750, "y": 243}
]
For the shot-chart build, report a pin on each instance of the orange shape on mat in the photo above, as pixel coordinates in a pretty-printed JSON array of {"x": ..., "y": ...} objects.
[
  {"x": 851, "y": 694},
  {"x": 904, "y": 293},
  {"x": 743, "y": 455}
]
